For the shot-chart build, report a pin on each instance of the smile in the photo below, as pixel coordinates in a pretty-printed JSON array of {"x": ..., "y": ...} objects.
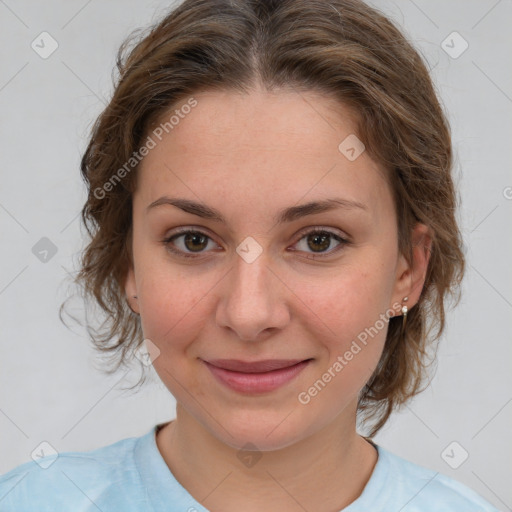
[{"x": 255, "y": 377}]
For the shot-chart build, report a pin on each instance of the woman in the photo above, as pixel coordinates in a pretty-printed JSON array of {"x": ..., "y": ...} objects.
[{"x": 271, "y": 210}]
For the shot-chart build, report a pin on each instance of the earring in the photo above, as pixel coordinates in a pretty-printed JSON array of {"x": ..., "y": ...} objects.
[{"x": 404, "y": 312}]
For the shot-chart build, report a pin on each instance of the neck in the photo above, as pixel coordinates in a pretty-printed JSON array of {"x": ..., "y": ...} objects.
[{"x": 325, "y": 471}]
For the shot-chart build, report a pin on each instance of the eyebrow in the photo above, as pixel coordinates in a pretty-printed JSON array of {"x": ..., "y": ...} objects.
[{"x": 286, "y": 215}]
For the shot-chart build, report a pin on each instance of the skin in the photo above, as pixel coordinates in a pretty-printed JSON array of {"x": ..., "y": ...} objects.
[{"x": 249, "y": 156}]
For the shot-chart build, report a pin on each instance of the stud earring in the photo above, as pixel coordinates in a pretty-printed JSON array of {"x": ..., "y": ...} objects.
[{"x": 404, "y": 312}]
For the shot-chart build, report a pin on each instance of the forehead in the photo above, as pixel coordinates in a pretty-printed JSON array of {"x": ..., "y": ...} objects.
[
  {"x": 236, "y": 121},
  {"x": 259, "y": 146}
]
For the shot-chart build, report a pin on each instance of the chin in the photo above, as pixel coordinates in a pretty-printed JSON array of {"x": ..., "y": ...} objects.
[{"x": 267, "y": 431}]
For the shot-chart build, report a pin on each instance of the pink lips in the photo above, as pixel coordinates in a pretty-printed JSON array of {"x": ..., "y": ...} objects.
[{"x": 258, "y": 376}]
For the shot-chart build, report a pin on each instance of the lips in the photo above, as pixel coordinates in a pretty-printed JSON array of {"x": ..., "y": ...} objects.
[
  {"x": 255, "y": 376},
  {"x": 266, "y": 365}
]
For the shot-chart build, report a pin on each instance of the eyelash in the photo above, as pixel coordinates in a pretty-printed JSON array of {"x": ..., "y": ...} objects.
[{"x": 314, "y": 231}]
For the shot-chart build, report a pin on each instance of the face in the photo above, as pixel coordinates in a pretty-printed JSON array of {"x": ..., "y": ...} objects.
[{"x": 254, "y": 301}]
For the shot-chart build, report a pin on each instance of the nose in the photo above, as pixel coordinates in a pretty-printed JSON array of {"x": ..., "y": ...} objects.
[{"x": 253, "y": 302}]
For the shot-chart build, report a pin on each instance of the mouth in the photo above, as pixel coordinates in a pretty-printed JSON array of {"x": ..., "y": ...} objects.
[{"x": 256, "y": 376}]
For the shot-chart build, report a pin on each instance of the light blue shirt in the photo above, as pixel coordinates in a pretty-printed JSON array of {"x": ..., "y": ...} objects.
[{"x": 131, "y": 475}]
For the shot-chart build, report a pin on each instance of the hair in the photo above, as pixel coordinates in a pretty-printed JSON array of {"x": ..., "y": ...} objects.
[{"x": 342, "y": 48}]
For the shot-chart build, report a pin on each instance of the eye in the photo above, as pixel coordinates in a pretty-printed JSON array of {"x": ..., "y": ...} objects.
[
  {"x": 188, "y": 242},
  {"x": 319, "y": 241}
]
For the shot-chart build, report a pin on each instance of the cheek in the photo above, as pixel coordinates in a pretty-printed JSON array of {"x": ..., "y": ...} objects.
[
  {"x": 348, "y": 315},
  {"x": 346, "y": 301},
  {"x": 354, "y": 320},
  {"x": 172, "y": 302},
  {"x": 173, "y": 315}
]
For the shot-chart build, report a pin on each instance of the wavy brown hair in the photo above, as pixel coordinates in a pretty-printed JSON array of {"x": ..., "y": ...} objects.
[{"x": 342, "y": 48}]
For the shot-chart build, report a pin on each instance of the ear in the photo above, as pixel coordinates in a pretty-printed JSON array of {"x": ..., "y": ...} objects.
[
  {"x": 410, "y": 277},
  {"x": 130, "y": 288}
]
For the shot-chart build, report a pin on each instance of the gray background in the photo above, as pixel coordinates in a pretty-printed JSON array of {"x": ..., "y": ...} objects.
[{"x": 50, "y": 387}]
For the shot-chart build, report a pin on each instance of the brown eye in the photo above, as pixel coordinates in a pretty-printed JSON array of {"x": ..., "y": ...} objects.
[
  {"x": 319, "y": 242},
  {"x": 188, "y": 242},
  {"x": 195, "y": 241}
]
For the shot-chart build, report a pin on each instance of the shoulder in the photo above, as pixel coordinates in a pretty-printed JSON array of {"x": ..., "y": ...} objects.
[
  {"x": 417, "y": 489},
  {"x": 81, "y": 479}
]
